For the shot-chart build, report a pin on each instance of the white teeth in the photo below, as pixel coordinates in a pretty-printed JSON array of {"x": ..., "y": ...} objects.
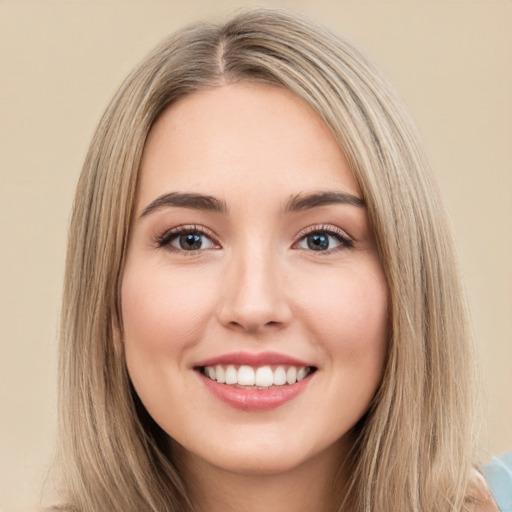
[
  {"x": 291, "y": 375},
  {"x": 220, "y": 374},
  {"x": 279, "y": 376},
  {"x": 231, "y": 375},
  {"x": 262, "y": 377},
  {"x": 301, "y": 374},
  {"x": 246, "y": 376}
]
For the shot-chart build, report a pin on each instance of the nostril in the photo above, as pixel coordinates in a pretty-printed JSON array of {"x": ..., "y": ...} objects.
[
  {"x": 253, "y": 301},
  {"x": 252, "y": 324}
]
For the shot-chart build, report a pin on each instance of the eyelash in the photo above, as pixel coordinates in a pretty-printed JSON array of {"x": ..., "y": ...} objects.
[
  {"x": 344, "y": 240},
  {"x": 166, "y": 238}
]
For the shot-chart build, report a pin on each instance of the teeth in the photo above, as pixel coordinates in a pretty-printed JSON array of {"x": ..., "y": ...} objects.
[
  {"x": 261, "y": 377},
  {"x": 264, "y": 376},
  {"x": 231, "y": 375},
  {"x": 279, "y": 376},
  {"x": 220, "y": 374},
  {"x": 301, "y": 374},
  {"x": 246, "y": 376},
  {"x": 291, "y": 375}
]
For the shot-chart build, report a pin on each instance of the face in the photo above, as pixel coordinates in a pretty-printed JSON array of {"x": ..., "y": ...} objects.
[{"x": 254, "y": 305}]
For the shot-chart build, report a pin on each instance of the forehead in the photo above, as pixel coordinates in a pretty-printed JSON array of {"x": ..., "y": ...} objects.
[{"x": 242, "y": 137}]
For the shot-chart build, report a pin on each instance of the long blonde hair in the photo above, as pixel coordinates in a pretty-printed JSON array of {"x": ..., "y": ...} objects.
[{"x": 414, "y": 448}]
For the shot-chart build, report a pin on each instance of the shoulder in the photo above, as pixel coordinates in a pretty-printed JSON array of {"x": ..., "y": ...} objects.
[
  {"x": 498, "y": 474},
  {"x": 479, "y": 497}
]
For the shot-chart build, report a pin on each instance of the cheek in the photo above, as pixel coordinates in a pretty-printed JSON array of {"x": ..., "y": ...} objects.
[
  {"x": 349, "y": 317},
  {"x": 162, "y": 311},
  {"x": 355, "y": 336},
  {"x": 164, "y": 315}
]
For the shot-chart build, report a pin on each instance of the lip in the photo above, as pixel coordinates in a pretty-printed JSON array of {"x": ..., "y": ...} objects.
[
  {"x": 248, "y": 399},
  {"x": 255, "y": 399},
  {"x": 252, "y": 359}
]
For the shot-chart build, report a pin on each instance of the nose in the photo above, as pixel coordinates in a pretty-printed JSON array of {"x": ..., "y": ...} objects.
[{"x": 253, "y": 294}]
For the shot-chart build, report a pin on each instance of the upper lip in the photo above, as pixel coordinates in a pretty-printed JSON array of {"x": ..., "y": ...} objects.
[{"x": 252, "y": 359}]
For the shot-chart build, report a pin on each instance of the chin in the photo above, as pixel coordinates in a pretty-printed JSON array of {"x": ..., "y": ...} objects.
[
  {"x": 266, "y": 456},
  {"x": 254, "y": 464}
]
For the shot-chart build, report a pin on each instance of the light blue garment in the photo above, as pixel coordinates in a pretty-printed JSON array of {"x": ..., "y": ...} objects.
[{"x": 499, "y": 477}]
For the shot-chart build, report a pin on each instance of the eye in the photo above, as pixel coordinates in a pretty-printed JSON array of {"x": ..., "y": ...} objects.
[
  {"x": 186, "y": 239},
  {"x": 191, "y": 242},
  {"x": 324, "y": 240}
]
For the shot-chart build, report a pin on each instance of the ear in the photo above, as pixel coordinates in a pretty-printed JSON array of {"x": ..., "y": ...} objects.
[
  {"x": 117, "y": 333},
  {"x": 118, "y": 339}
]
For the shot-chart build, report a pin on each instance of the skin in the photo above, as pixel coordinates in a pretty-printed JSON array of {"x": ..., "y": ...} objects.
[{"x": 254, "y": 286}]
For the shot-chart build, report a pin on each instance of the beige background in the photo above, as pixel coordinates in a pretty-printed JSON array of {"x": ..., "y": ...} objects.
[{"x": 60, "y": 62}]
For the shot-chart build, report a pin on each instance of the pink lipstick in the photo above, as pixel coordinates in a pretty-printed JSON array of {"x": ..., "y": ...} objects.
[{"x": 254, "y": 382}]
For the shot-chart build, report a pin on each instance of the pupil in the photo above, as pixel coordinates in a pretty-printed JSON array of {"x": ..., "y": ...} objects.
[
  {"x": 190, "y": 241},
  {"x": 318, "y": 242}
]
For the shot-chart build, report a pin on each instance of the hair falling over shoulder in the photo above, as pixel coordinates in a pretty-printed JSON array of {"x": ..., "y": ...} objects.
[{"x": 415, "y": 448}]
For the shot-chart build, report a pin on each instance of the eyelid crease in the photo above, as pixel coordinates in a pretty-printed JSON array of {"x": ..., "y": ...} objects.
[
  {"x": 326, "y": 228},
  {"x": 165, "y": 238},
  {"x": 345, "y": 240}
]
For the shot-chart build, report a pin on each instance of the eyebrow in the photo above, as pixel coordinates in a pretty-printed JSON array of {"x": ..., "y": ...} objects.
[
  {"x": 316, "y": 199},
  {"x": 186, "y": 200},
  {"x": 208, "y": 203}
]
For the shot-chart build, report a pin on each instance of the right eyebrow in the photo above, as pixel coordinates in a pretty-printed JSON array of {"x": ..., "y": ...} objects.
[
  {"x": 322, "y": 198},
  {"x": 185, "y": 200}
]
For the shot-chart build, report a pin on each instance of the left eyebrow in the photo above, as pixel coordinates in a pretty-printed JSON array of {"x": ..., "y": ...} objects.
[
  {"x": 316, "y": 199},
  {"x": 186, "y": 200}
]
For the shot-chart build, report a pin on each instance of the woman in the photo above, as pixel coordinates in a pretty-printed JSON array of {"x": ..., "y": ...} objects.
[{"x": 262, "y": 309}]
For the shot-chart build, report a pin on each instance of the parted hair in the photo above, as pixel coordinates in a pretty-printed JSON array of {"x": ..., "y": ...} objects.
[{"x": 414, "y": 448}]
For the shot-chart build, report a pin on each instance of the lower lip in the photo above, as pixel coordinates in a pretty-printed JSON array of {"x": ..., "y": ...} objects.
[{"x": 255, "y": 399}]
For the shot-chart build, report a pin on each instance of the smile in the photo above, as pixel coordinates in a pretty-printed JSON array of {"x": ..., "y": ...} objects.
[
  {"x": 262, "y": 377},
  {"x": 255, "y": 382}
]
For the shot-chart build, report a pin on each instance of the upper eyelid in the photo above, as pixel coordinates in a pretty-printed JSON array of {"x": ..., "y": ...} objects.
[
  {"x": 169, "y": 234},
  {"x": 329, "y": 228},
  {"x": 345, "y": 240},
  {"x": 191, "y": 228}
]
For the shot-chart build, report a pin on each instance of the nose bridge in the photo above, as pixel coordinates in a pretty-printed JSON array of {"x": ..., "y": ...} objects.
[{"x": 254, "y": 295}]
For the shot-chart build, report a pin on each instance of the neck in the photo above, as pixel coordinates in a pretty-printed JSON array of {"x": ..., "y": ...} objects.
[{"x": 313, "y": 486}]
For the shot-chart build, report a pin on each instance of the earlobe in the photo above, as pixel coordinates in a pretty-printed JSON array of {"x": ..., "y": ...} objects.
[{"x": 117, "y": 334}]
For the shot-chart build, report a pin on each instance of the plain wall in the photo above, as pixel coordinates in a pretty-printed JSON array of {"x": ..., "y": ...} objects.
[{"x": 60, "y": 63}]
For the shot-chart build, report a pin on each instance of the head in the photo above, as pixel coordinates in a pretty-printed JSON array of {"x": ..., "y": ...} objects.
[{"x": 425, "y": 383}]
